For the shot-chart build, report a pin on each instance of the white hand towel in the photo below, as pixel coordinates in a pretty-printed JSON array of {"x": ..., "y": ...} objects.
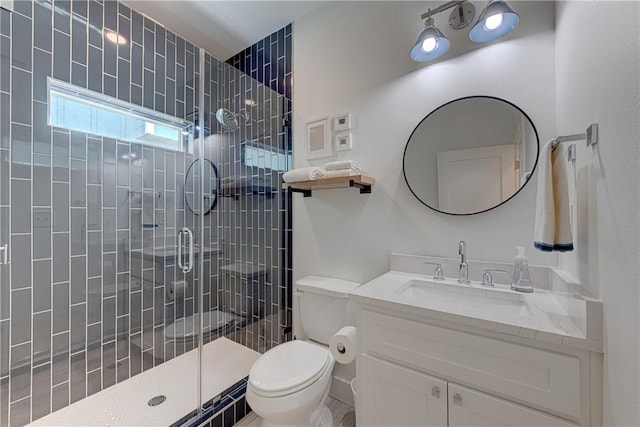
[
  {"x": 342, "y": 164},
  {"x": 342, "y": 172},
  {"x": 304, "y": 174},
  {"x": 552, "y": 230}
]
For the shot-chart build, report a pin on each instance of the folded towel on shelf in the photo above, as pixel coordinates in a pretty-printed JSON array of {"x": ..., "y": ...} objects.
[
  {"x": 342, "y": 172},
  {"x": 342, "y": 164},
  {"x": 304, "y": 174},
  {"x": 552, "y": 230}
]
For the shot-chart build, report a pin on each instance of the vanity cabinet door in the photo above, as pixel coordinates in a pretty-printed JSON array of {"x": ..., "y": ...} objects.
[
  {"x": 472, "y": 408},
  {"x": 390, "y": 395}
]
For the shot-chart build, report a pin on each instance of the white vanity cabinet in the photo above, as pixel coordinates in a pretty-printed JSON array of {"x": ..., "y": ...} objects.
[
  {"x": 469, "y": 408},
  {"x": 391, "y": 395},
  {"x": 413, "y": 372}
]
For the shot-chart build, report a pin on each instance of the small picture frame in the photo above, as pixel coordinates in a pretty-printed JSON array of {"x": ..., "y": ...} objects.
[
  {"x": 342, "y": 122},
  {"x": 343, "y": 141},
  {"x": 319, "y": 139}
]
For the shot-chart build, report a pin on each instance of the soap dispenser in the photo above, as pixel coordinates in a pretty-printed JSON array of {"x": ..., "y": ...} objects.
[{"x": 521, "y": 281}]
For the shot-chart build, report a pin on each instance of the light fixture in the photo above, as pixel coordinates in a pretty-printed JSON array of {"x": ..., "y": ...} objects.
[
  {"x": 431, "y": 43},
  {"x": 114, "y": 37},
  {"x": 495, "y": 21}
]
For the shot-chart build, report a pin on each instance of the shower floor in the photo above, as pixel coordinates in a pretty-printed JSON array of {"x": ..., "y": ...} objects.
[{"x": 224, "y": 363}]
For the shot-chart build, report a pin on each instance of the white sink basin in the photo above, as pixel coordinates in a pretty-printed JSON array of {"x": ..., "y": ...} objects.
[
  {"x": 554, "y": 317},
  {"x": 463, "y": 297}
]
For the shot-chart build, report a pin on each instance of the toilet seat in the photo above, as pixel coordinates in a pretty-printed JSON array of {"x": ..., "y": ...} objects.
[
  {"x": 214, "y": 320},
  {"x": 288, "y": 368}
]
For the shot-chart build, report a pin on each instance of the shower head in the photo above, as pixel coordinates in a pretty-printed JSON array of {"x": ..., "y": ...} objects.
[{"x": 228, "y": 120}]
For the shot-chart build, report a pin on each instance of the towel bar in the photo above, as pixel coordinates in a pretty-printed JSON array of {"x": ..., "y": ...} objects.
[{"x": 591, "y": 136}]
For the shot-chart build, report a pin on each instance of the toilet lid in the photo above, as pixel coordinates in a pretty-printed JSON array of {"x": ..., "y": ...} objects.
[
  {"x": 288, "y": 367},
  {"x": 187, "y": 327}
]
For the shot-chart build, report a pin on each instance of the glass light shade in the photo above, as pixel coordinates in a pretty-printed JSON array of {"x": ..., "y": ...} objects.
[
  {"x": 486, "y": 30},
  {"x": 441, "y": 46}
]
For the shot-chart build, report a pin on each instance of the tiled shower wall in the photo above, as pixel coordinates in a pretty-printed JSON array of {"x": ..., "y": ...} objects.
[
  {"x": 269, "y": 61},
  {"x": 82, "y": 314},
  {"x": 87, "y": 303},
  {"x": 256, "y": 227}
]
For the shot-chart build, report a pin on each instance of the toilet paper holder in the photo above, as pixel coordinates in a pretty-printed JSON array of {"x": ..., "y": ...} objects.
[{"x": 343, "y": 345}]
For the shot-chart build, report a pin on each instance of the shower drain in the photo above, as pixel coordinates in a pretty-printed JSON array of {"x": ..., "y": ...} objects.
[{"x": 157, "y": 400}]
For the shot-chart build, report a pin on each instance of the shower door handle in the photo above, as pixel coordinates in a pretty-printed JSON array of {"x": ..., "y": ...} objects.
[
  {"x": 4, "y": 251},
  {"x": 189, "y": 266}
]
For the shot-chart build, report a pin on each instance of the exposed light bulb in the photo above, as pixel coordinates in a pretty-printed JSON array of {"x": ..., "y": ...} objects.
[
  {"x": 493, "y": 21},
  {"x": 428, "y": 45}
]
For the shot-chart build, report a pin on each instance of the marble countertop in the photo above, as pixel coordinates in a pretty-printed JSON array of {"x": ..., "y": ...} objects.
[{"x": 536, "y": 316}]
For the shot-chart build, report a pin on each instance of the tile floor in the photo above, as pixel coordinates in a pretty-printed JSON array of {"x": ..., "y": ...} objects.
[
  {"x": 125, "y": 404},
  {"x": 343, "y": 415}
]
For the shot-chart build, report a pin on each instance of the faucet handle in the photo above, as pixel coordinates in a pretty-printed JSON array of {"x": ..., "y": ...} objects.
[
  {"x": 487, "y": 278},
  {"x": 439, "y": 273}
]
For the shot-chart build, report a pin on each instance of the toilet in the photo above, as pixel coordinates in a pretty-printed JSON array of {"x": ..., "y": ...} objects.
[
  {"x": 246, "y": 285},
  {"x": 288, "y": 384}
]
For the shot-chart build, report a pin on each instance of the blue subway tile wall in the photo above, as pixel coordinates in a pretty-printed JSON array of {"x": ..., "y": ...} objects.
[
  {"x": 226, "y": 409},
  {"x": 269, "y": 62},
  {"x": 80, "y": 308},
  {"x": 79, "y": 311}
]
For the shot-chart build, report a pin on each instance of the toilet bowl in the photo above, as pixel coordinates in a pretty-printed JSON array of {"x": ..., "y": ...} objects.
[{"x": 289, "y": 383}]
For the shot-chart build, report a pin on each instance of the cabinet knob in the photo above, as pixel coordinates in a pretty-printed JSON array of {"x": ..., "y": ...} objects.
[
  {"x": 435, "y": 392},
  {"x": 457, "y": 399}
]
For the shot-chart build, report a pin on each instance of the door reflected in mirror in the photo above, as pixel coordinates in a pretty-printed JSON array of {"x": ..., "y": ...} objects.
[{"x": 471, "y": 155}]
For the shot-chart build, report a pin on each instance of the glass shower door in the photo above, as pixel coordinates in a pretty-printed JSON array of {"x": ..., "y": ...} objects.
[{"x": 5, "y": 246}]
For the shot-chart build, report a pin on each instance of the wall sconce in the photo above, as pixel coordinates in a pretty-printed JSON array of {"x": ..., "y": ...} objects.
[
  {"x": 496, "y": 20},
  {"x": 431, "y": 43}
]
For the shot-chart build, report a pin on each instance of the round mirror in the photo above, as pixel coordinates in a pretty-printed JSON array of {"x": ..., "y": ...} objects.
[
  {"x": 470, "y": 155},
  {"x": 192, "y": 183}
]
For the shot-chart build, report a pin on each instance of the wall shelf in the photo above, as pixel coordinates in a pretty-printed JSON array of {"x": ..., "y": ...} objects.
[
  {"x": 236, "y": 192},
  {"x": 364, "y": 183}
]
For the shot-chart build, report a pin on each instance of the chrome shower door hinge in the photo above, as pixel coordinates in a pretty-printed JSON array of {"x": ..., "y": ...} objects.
[{"x": 4, "y": 254}]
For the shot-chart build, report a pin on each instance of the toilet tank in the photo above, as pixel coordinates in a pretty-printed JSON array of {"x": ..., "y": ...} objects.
[{"x": 324, "y": 306}]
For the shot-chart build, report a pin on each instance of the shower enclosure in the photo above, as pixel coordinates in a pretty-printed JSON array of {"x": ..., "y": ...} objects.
[{"x": 136, "y": 229}]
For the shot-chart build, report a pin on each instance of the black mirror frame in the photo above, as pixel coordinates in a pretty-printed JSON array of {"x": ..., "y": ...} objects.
[
  {"x": 535, "y": 165},
  {"x": 215, "y": 199}
]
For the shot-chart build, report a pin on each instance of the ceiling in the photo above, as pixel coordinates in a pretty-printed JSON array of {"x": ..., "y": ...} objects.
[{"x": 224, "y": 28}]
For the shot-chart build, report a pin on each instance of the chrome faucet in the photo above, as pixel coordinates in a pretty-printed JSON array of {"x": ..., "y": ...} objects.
[{"x": 463, "y": 271}]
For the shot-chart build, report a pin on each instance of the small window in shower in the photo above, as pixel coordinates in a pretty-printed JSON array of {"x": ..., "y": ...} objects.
[
  {"x": 266, "y": 157},
  {"x": 76, "y": 108}
]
